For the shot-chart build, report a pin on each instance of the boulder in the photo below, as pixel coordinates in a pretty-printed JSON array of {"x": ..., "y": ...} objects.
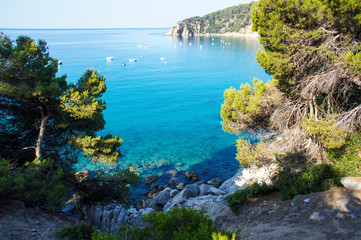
[
  {"x": 177, "y": 199},
  {"x": 163, "y": 197},
  {"x": 150, "y": 178},
  {"x": 227, "y": 185},
  {"x": 351, "y": 183},
  {"x": 204, "y": 189},
  {"x": 173, "y": 193},
  {"x": 216, "y": 182},
  {"x": 216, "y": 191},
  {"x": 191, "y": 190}
]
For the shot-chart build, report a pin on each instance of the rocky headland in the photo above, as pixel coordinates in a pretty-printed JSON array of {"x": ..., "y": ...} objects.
[{"x": 233, "y": 21}]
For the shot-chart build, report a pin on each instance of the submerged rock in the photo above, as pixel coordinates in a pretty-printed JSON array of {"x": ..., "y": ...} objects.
[
  {"x": 191, "y": 175},
  {"x": 150, "y": 178},
  {"x": 216, "y": 182},
  {"x": 180, "y": 186}
]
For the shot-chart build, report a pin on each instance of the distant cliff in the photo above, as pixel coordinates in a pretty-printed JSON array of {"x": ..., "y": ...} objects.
[{"x": 236, "y": 20}]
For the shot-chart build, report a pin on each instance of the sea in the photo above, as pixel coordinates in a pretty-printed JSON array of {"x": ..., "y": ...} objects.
[{"x": 166, "y": 104}]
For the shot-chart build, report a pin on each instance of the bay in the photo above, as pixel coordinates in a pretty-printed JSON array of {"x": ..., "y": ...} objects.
[{"x": 166, "y": 105}]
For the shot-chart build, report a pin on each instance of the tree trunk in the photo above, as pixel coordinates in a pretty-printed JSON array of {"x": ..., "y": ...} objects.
[
  {"x": 39, "y": 142},
  {"x": 315, "y": 105}
]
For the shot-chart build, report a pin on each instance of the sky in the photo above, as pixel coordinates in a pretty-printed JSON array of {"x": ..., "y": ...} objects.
[{"x": 104, "y": 13}]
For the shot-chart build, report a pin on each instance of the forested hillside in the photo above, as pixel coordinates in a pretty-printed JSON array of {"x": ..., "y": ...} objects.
[{"x": 229, "y": 20}]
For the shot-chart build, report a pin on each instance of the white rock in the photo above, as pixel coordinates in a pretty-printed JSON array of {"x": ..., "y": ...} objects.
[
  {"x": 316, "y": 216},
  {"x": 307, "y": 200},
  {"x": 351, "y": 183}
]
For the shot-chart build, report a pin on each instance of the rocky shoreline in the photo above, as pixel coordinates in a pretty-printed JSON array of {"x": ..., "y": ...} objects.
[
  {"x": 207, "y": 195},
  {"x": 183, "y": 30},
  {"x": 333, "y": 214}
]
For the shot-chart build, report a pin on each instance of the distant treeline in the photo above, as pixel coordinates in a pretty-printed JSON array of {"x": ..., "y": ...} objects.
[{"x": 231, "y": 19}]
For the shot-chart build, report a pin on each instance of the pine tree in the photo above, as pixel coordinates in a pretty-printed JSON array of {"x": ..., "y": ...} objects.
[
  {"x": 40, "y": 111},
  {"x": 312, "y": 49}
]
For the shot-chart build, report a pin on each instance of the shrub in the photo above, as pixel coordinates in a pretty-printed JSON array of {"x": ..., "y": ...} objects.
[
  {"x": 77, "y": 232},
  {"x": 36, "y": 183},
  {"x": 313, "y": 179},
  {"x": 104, "y": 186},
  {"x": 220, "y": 236},
  {"x": 181, "y": 223},
  {"x": 176, "y": 224},
  {"x": 103, "y": 236},
  {"x": 348, "y": 158},
  {"x": 10, "y": 186},
  {"x": 236, "y": 199}
]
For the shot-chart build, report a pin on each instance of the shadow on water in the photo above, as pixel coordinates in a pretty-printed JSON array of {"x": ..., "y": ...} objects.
[{"x": 224, "y": 165}]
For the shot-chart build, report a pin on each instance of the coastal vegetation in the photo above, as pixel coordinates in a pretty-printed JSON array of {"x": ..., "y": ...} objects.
[
  {"x": 231, "y": 19},
  {"x": 47, "y": 124},
  {"x": 308, "y": 117},
  {"x": 176, "y": 224}
]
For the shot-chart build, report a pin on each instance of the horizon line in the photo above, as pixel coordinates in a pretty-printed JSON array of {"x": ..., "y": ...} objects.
[{"x": 84, "y": 28}]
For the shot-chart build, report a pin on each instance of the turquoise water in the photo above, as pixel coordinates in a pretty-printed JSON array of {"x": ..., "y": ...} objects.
[{"x": 167, "y": 111}]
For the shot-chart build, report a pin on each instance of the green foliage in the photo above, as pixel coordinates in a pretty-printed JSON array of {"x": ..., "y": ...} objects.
[
  {"x": 231, "y": 19},
  {"x": 103, "y": 149},
  {"x": 248, "y": 153},
  {"x": 44, "y": 117},
  {"x": 240, "y": 197},
  {"x": 37, "y": 183},
  {"x": 11, "y": 185},
  {"x": 348, "y": 158},
  {"x": 249, "y": 108},
  {"x": 326, "y": 131},
  {"x": 37, "y": 103},
  {"x": 354, "y": 62},
  {"x": 77, "y": 232},
  {"x": 81, "y": 101},
  {"x": 106, "y": 187},
  {"x": 180, "y": 223},
  {"x": 312, "y": 49},
  {"x": 294, "y": 32},
  {"x": 297, "y": 176},
  {"x": 28, "y": 72},
  {"x": 220, "y": 236},
  {"x": 104, "y": 236},
  {"x": 176, "y": 224}
]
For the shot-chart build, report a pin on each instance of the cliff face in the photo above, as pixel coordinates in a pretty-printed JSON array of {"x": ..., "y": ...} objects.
[
  {"x": 181, "y": 30},
  {"x": 234, "y": 20}
]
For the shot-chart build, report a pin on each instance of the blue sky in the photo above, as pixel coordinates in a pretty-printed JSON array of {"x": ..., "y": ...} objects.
[{"x": 104, "y": 13}]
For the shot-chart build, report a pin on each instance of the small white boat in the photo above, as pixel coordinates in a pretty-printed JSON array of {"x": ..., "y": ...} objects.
[
  {"x": 109, "y": 58},
  {"x": 163, "y": 58},
  {"x": 123, "y": 64},
  {"x": 190, "y": 44},
  {"x": 200, "y": 46},
  {"x": 60, "y": 63},
  {"x": 139, "y": 46},
  {"x": 132, "y": 59}
]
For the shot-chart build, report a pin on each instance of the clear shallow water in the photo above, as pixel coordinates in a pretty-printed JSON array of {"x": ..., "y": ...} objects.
[{"x": 166, "y": 111}]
